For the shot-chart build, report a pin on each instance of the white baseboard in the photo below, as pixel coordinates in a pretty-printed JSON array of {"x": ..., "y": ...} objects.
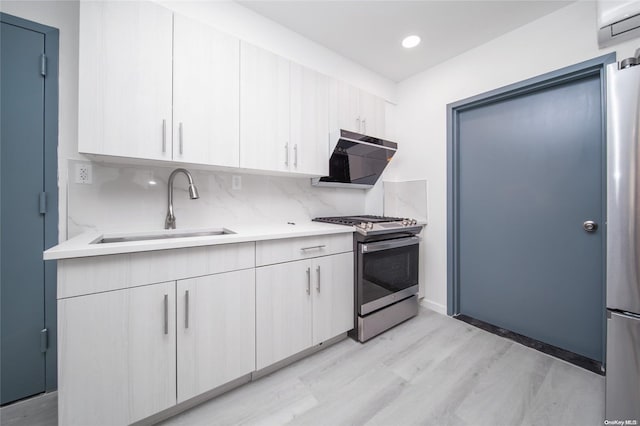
[{"x": 434, "y": 306}]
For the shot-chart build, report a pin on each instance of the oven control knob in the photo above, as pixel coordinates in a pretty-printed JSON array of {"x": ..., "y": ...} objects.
[
  {"x": 414, "y": 222},
  {"x": 370, "y": 225},
  {"x": 362, "y": 225},
  {"x": 405, "y": 222}
]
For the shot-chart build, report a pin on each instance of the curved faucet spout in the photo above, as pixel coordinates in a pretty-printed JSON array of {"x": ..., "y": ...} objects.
[{"x": 170, "y": 221}]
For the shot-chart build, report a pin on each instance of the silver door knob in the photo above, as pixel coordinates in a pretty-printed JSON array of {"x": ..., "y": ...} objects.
[{"x": 590, "y": 226}]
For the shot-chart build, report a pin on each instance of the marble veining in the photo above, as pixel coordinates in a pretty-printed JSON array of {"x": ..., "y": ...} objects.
[
  {"x": 125, "y": 198},
  {"x": 406, "y": 199}
]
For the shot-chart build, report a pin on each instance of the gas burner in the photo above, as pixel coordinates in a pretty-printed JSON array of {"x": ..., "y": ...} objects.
[{"x": 375, "y": 225}]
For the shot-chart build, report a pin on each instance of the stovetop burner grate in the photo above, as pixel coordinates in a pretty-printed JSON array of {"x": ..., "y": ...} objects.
[{"x": 354, "y": 220}]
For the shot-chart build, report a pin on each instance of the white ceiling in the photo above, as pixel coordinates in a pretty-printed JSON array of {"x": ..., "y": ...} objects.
[{"x": 369, "y": 32}]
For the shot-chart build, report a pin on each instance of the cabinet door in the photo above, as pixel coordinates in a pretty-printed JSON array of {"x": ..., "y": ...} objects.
[
  {"x": 309, "y": 121},
  {"x": 344, "y": 107},
  {"x": 124, "y": 84},
  {"x": 283, "y": 311},
  {"x": 264, "y": 110},
  {"x": 216, "y": 330},
  {"x": 372, "y": 114},
  {"x": 333, "y": 290},
  {"x": 206, "y": 94},
  {"x": 117, "y": 358}
]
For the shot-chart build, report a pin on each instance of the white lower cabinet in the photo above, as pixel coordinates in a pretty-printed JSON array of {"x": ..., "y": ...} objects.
[
  {"x": 333, "y": 296},
  {"x": 300, "y": 304},
  {"x": 216, "y": 331},
  {"x": 128, "y": 350},
  {"x": 117, "y": 356}
]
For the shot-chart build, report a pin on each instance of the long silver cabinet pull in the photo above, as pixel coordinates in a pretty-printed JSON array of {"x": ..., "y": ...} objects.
[
  {"x": 166, "y": 314},
  {"x": 180, "y": 138},
  {"x": 313, "y": 247},
  {"x": 186, "y": 309},
  {"x": 286, "y": 154},
  {"x": 295, "y": 155},
  {"x": 358, "y": 123},
  {"x": 364, "y": 126},
  {"x": 318, "y": 272},
  {"x": 164, "y": 136},
  {"x": 309, "y": 280}
]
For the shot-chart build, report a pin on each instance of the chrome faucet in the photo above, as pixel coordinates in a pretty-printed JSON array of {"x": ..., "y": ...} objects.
[{"x": 170, "y": 221}]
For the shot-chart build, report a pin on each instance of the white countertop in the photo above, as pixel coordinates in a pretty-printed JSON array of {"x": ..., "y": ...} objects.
[{"x": 82, "y": 245}]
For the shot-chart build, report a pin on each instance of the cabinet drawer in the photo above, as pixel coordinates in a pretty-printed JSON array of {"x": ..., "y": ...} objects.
[
  {"x": 104, "y": 273},
  {"x": 286, "y": 250}
]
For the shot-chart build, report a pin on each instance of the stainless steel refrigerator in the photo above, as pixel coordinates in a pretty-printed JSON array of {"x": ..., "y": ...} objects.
[{"x": 623, "y": 242}]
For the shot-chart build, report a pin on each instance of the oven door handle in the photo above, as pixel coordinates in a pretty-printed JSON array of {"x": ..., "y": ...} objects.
[{"x": 386, "y": 245}]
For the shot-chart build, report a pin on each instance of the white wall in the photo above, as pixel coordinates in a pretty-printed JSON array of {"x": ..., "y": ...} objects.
[
  {"x": 227, "y": 16},
  {"x": 563, "y": 38}
]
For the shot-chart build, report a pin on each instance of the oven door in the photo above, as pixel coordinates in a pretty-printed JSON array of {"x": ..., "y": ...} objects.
[{"x": 387, "y": 272}]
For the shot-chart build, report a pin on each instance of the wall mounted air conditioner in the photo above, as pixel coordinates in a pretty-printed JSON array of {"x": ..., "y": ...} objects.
[{"x": 617, "y": 21}]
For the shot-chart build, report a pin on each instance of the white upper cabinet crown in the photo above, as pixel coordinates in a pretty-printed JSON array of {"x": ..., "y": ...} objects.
[
  {"x": 125, "y": 79},
  {"x": 356, "y": 110},
  {"x": 264, "y": 110},
  {"x": 206, "y": 94}
]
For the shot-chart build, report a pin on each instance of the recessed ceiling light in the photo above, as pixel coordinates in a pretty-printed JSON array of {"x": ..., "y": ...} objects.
[{"x": 410, "y": 41}]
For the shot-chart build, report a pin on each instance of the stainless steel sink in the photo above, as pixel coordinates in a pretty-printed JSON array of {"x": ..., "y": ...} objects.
[{"x": 106, "y": 239}]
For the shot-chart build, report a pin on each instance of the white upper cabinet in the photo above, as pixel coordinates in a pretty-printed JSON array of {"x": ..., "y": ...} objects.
[
  {"x": 206, "y": 94},
  {"x": 372, "y": 115},
  {"x": 309, "y": 140},
  {"x": 355, "y": 110},
  {"x": 125, "y": 79},
  {"x": 264, "y": 110}
]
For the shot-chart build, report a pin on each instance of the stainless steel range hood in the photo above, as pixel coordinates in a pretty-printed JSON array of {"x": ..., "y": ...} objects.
[{"x": 357, "y": 161}]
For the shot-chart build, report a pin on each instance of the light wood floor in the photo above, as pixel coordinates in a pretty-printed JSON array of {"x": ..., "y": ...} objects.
[{"x": 431, "y": 370}]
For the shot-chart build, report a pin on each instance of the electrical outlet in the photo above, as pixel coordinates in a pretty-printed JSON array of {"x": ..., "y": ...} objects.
[
  {"x": 84, "y": 173},
  {"x": 236, "y": 182}
]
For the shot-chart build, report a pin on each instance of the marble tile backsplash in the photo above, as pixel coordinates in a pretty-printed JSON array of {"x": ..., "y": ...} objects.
[
  {"x": 134, "y": 198},
  {"x": 406, "y": 199}
]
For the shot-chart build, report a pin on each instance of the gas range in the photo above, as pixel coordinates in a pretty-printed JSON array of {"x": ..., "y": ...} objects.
[
  {"x": 375, "y": 225},
  {"x": 386, "y": 261}
]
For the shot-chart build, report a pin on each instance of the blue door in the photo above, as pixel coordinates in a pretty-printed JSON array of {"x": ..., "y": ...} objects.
[
  {"x": 530, "y": 174},
  {"x": 23, "y": 210}
]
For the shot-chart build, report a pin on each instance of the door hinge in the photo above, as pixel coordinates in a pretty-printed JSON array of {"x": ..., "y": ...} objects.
[
  {"x": 43, "y": 203},
  {"x": 43, "y": 65},
  {"x": 44, "y": 340}
]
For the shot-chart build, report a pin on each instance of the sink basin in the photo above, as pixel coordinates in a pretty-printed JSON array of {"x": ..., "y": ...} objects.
[{"x": 160, "y": 235}]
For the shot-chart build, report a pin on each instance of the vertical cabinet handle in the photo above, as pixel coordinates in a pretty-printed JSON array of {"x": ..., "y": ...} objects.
[
  {"x": 164, "y": 136},
  {"x": 180, "y": 139},
  {"x": 364, "y": 126},
  {"x": 318, "y": 272},
  {"x": 309, "y": 280},
  {"x": 358, "y": 123},
  {"x": 166, "y": 314},
  {"x": 286, "y": 154},
  {"x": 295, "y": 155},
  {"x": 186, "y": 309}
]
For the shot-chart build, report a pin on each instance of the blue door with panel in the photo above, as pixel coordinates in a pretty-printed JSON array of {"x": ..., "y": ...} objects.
[
  {"x": 25, "y": 301},
  {"x": 530, "y": 175}
]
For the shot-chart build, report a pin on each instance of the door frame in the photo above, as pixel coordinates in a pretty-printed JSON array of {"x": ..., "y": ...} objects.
[
  {"x": 596, "y": 66},
  {"x": 50, "y": 166}
]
